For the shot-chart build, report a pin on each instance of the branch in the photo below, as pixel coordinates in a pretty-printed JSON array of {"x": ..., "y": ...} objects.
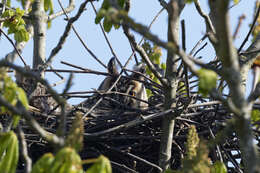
[
  {"x": 81, "y": 40},
  {"x": 69, "y": 9},
  {"x": 136, "y": 122},
  {"x": 55, "y": 95},
  {"x": 65, "y": 34},
  {"x": 15, "y": 48},
  {"x": 143, "y": 54},
  {"x": 20, "y": 110},
  {"x": 250, "y": 30},
  {"x": 28, "y": 160}
]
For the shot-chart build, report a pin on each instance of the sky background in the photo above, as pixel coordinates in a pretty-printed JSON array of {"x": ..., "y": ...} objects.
[{"x": 143, "y": 11}]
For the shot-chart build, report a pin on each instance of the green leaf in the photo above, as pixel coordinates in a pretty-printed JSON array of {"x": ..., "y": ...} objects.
[
  {"x": 163, "y": 66},
  {"x": 189, "y": 1},
  {"x": 107, "y": 25},
  {"x": 9, "y": 157},
  {"x": 105, "y": 5},
  {"x": 235, "y": 1},
  {"x": 207, "y": 81},
  {"x": 19, "y": 12},
  {"x": 66, "y": 158},
  {"x": 102, "y": 165},
  {"x": 22, "y": 97},
  {"x": 43, "y": 164},
  {"x": 219, "y": 167},
  {"x": 16, "y": 24},
  {"x": 100, "y": 16},
  {"x": 255, "y": 116},
  {"x": 121, "y": 3}
]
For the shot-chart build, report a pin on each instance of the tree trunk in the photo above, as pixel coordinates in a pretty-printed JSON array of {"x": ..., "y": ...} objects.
[{"x": 174, "y": 9}]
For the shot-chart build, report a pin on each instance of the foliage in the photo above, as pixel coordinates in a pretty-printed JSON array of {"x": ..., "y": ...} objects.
[
  {"x": 101, "y": 165},
  {"x": 75, "y": 137},
  {"x": 11, "y": 93},
  {"x": 196, "y": 160},
  {"x": 66, "y": 161},
  {"x": 106, "y": 8},
  {"x": 16, "y": 24},
  {"x": 207, "y": 81},
  {"x": 255, "y": 117},
  {"x": 8, "y": 152},
  {"x": 154, "y": 52}
]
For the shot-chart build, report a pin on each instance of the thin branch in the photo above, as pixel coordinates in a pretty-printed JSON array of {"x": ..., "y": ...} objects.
[
  {"x": 197, "y": 44},
  {"x": 208, "y": 22},
  {"x": 17, "y": 51},
  {"x": 250, "y": 30},
  {"x": 28, "y": 160},
  {"x": 20, "y": 110},
  {"x": 106, "y": 38},
  {"x": 240, "y": 20},
  {"x": 80, "y": 39},
  {"x": 69, "y": 9},
  {"x": 63, "y": 114},
  {"x": 137, "y": 121},
  {"x": 55, "y": 95},
  {"x": 65, "y": 34},
  {"x": 144, "y": 56},
  {"x": 202, "y": 47}
]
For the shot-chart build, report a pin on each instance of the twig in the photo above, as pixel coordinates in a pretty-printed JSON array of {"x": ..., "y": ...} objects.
[
  {"x": 57, "y": 98},
  {"x": 65, "y": 34},
  {"x": 202, "y": 47},
  {"x": 20, "y": 110},
  {"x": 123, "y": 167},
  {"x": 205, "y": 16},
  {"x": 250, "y": 30},
  {"x": 217, "y": 146},
  {"x": 127, "y": 125},
  {"x": 17, "y": 51},
  {"x": 133, "y": 156},
  {"x": 184, "y": 49},
  {"x": 240, "y": 20},
  {"x": 85, "y": 69},
  {"x": 63, "y": 115},
  {"x": 197, "y": 44},
  {"x": 106, "y": 38},
  {"x": 69, "y": 9},
  {"x": 149, "y": 27},
  {"x": 143, "y": 55},
  {"x": 28, "y": 160},
  {"x": 164, "y": 4},
  {"x": 80, "y": 39}
]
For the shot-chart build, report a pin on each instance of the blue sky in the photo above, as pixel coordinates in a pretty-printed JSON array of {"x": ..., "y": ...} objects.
[{"x": 142, "y": 11}]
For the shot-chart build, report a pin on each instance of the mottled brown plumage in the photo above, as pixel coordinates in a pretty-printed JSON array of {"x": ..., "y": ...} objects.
[{"x": 137, "y": 88}]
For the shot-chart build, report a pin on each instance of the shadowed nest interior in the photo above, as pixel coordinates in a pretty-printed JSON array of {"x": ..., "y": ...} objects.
[{"x": 130, "y": 137}]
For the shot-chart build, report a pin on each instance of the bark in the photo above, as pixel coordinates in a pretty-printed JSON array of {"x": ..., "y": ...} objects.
[
  {"x": 39, "y": 23},
  {"x": 174, "y": 8},
  {"x": 233, "y": 75}
]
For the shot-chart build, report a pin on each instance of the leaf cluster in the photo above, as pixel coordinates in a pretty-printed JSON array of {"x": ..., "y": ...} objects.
[
  {"x": 67, "y": 160},
  {"x": 154, "y": 52},
  {"x": 207, "y": 81},
  {"x": 106, "y": 8},
  {"x": 197, "y": 160},
  {"x": 16, "y": 24},
  {"x": 8, "y": 152},
  {"x": 11, "y": 93}
]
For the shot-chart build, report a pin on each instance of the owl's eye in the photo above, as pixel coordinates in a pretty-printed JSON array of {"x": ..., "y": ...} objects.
[{"x": 132, "y": 93}]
